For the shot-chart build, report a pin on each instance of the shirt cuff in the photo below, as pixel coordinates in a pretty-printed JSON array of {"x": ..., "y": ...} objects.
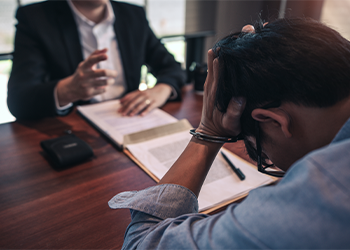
[
  {"x": 58, "y": 107},
  {"x": 162, "y": 201}
]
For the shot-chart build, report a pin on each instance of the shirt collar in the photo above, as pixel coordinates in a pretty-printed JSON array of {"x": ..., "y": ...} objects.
[{"x": 109, "y": 15}]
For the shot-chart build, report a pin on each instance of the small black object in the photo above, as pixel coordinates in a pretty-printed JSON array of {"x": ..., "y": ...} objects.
[
  {"x": 67, "y": 150},
  {"x": 237, "y": 171}
]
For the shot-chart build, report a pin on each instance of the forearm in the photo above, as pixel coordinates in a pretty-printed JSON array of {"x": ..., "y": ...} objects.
[
  {"x": 31, "y": 100},
  {"x": 193, "y": 165}
]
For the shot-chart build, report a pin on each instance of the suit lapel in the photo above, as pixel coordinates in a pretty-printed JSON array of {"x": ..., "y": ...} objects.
[{"x": 69, "y": 31}]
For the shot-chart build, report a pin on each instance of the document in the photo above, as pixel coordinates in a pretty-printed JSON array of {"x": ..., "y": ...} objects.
[
  {"x": 106, "y": 119},
  {"x": 221, "y": 186}
]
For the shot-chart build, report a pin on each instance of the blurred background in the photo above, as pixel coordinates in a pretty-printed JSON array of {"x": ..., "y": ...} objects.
[{"x": 188, "y": 28}]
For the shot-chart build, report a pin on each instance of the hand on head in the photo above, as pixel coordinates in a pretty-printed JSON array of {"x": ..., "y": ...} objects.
[
  {"x": 214, "y": 122},
  {"x": 87, "y": 81},
  {"x": 142, "y": 102}
]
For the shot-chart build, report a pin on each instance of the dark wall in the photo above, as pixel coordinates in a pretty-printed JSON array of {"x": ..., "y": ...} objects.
[
  {"x": 225, "y": 16},
  {"x": 310, "y": 8},
  {"x": 200, "y": 16}
]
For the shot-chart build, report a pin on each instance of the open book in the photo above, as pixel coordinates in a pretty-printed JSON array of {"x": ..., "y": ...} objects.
[{"x": 159, "y": 139}]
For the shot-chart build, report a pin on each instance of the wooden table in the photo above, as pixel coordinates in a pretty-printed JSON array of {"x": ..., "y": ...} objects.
[{"x": 44, "y": 208}]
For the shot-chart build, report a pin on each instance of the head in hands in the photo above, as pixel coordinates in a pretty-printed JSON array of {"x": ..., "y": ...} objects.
[{"x": 294, "y": 76}]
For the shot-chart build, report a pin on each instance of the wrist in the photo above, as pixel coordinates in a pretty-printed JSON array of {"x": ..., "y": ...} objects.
[
  {"x": 214, "y": 138},
  {"x": 210, "y": 144},
  {"x": 64, "y": 95},
  {"x": 164, "y": 88}
]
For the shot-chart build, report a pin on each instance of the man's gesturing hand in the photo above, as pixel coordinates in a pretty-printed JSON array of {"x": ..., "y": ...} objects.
[
  {"x": 87, "y": 81},
  {"x": 213, "y": 122}
]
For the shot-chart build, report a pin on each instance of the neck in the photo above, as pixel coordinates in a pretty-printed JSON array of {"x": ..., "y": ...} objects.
[
  {"x": 92, "y": 10},
  {"x": 316, "y": 127}
]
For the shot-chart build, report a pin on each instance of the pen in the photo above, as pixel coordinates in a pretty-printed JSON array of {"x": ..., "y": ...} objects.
[{"x": 237, "y": 171}]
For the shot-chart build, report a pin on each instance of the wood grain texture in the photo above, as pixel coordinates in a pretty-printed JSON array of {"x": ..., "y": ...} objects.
[{"x": 44, "y": 208}]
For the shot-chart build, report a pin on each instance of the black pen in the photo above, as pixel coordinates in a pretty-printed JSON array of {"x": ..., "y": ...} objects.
[{"x": 237, "y": 171}]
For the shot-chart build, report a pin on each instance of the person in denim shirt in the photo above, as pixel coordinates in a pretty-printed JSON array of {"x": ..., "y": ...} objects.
[{"x": 283, "y": 87}]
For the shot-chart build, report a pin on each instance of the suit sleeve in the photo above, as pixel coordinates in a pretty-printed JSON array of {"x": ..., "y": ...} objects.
[
  {"x": 162, "y": 64},
  {"x": 30, "y": 89}
]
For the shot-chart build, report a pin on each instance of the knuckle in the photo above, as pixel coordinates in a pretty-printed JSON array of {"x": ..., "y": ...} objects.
[
  {"x": 145, "y": 94},
  {"x": 80, "y": 74}
]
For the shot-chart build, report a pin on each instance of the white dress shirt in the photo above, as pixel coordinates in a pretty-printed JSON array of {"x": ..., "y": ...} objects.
[{"x": 99, "y": 36}]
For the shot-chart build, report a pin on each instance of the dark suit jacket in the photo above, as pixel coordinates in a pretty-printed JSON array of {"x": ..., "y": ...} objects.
[{"x": 47, "y": 49}]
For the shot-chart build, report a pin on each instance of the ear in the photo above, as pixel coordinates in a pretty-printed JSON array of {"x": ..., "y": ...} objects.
[{"x": 278, "y": 118}]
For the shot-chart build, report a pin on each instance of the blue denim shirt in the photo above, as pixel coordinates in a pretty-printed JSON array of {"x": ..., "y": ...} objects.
[{"x": 309, "y": 208}]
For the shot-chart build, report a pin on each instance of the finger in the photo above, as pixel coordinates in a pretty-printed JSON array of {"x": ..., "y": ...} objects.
[
  {"x": 215, "y": 73},
  {"x": 248, "y": 28},
  {"x": 98, "y": 82},
  {"x": 233, "y": 115},
  {"x": 140, "y": 107},
  {"x": 129, "y": 97},
  {"x": 110, "y": 81},
  {"x": 99, "y": 90},
  {"x": 129, "y": 106},
  {"x": 265, "y": 24},
  {"x": 99, "y": 51},
  {"x": 211, "y": 56},
  {"x": 91, "y": 92},
  {"x": 149, "y": 108},
  {"x": 213, "y": 81},
  {"x": 125, "y": 100},
  {"x": 94, "y": 59},
  {"x": 236, "y": 106},
  {"x": 95, "y": 73}
]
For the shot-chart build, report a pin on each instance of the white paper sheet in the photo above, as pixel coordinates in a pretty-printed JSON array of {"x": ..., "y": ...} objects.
[
  {"x": 221, "y": 184},
  {"x": 105, "y": 117}
]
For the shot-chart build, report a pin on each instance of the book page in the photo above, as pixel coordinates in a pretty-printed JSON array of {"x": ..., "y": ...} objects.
[
  {"x": 106, "y": 118},
  {"x": 221, "y": 184}
]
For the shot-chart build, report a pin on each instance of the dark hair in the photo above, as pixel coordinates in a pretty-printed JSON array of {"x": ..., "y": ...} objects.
[{"x": 297, "y": 60}]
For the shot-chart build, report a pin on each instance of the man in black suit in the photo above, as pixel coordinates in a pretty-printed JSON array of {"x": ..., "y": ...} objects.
[{"x": 58, "y": 63}]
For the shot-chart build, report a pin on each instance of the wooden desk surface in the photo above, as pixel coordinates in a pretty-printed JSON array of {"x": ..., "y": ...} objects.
[{"x": 47, "y": 209}]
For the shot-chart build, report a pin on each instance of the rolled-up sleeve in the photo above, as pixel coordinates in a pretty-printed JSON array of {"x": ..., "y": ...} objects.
[
  {"x": 151, "y": 206},
  {"x": 166, "y": 217}
]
